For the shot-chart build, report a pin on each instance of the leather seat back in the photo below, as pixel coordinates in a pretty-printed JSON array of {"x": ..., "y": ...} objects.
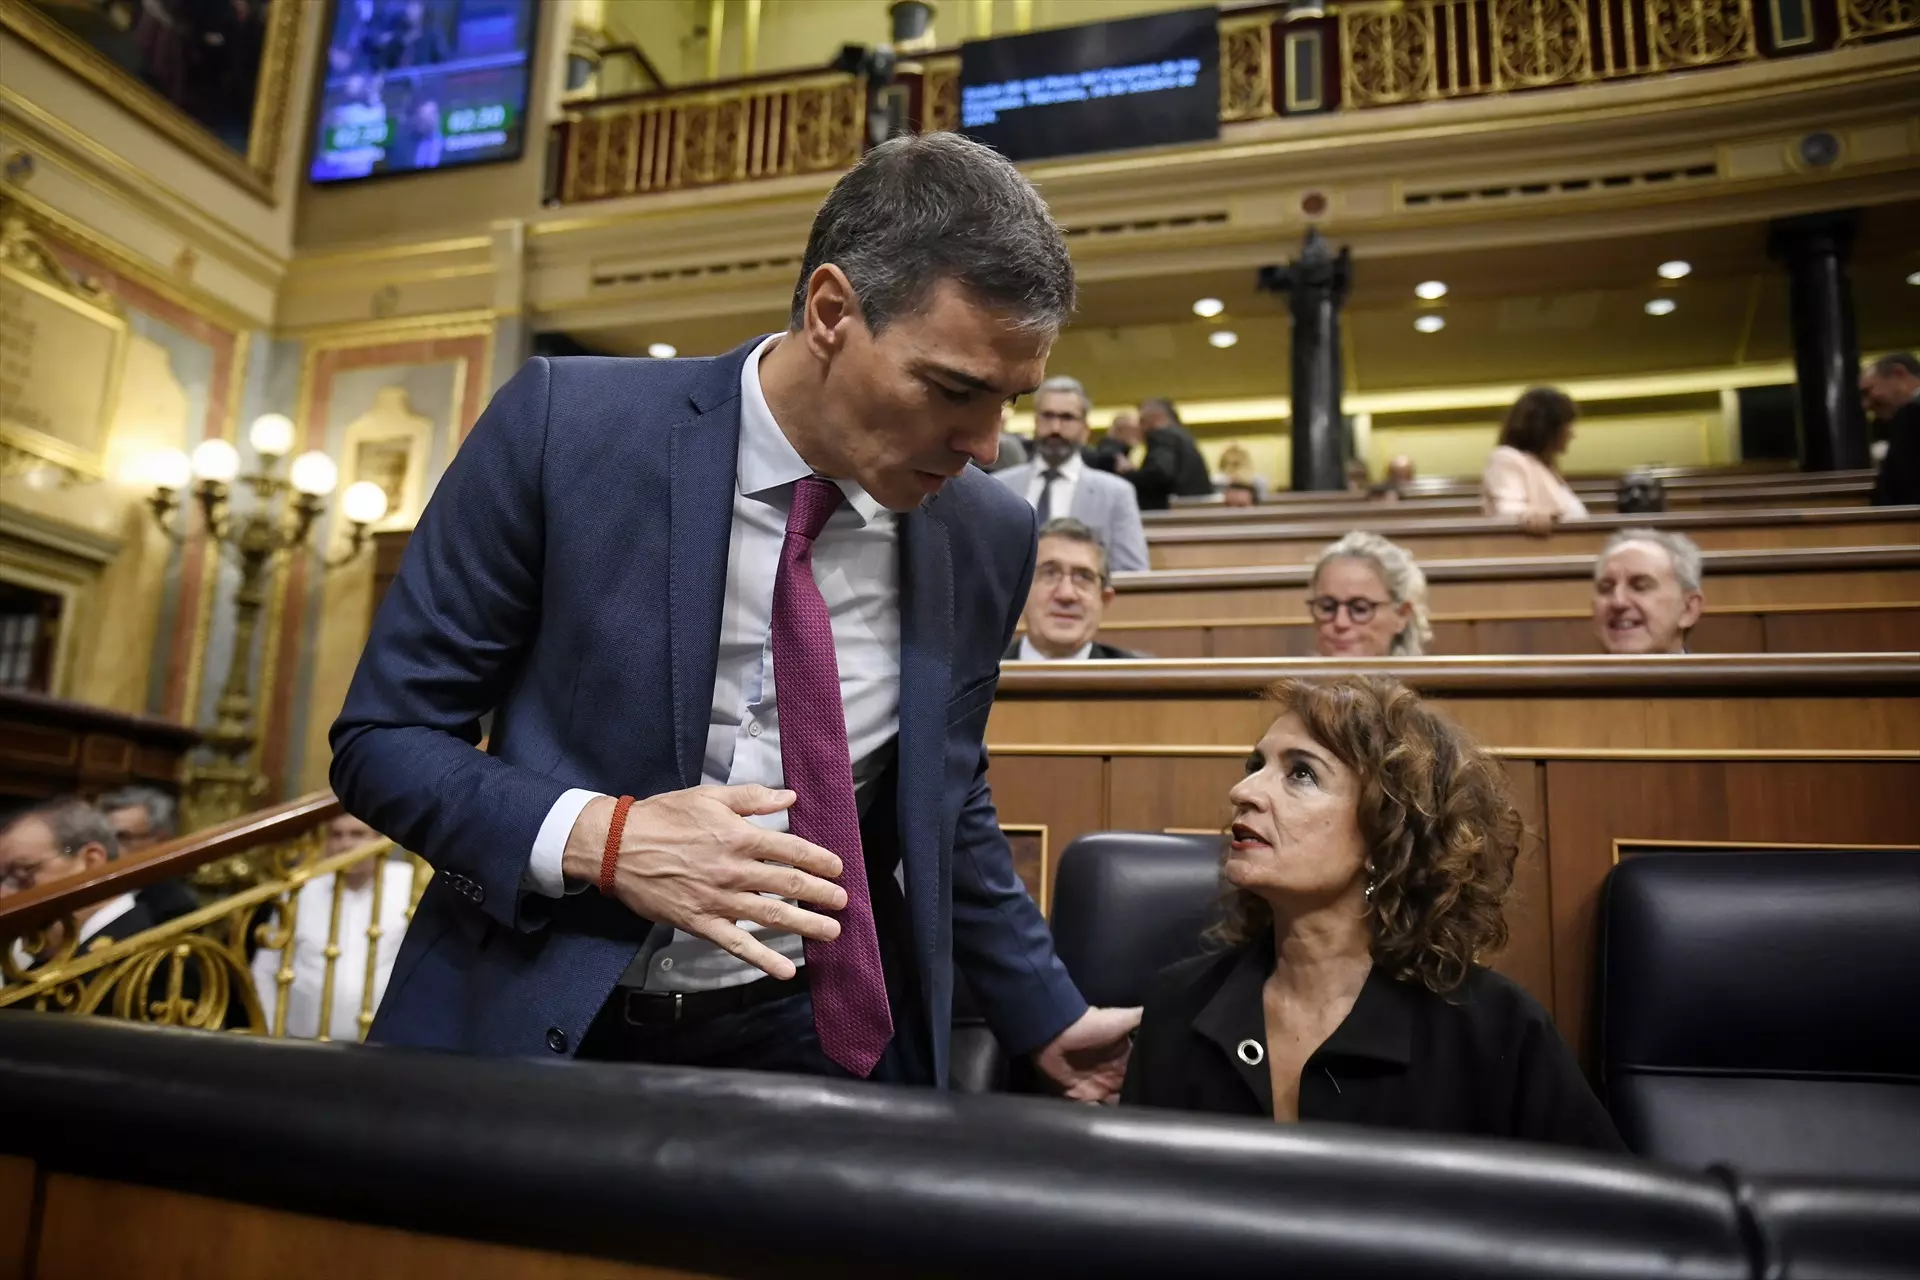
[
  {"x": 1763, "y": 1009},
  {"x": 1127, "y": 904}
]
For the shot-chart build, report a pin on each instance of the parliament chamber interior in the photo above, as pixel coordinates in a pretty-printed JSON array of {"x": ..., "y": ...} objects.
[{"x": 1363, "y": 558}]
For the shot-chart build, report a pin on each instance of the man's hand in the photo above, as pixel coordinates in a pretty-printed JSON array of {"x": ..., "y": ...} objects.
[
  {"x": 1088, "y": 1061},
  {"x": 691, "y": 859}
]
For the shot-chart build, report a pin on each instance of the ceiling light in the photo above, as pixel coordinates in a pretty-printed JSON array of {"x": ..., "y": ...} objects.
[
  {"x": 1430, "y": 290},
  {"x": 1660, "y": 306},
  {"x": 662, "y": 350},
  {"x": 1208, "y": 308},
  {"x": 1675, "y": 270},
  {"x": 1429, "y": 324},
  {"x": 1223, "y": 338},
  {"x": 1913, "y": 277}
]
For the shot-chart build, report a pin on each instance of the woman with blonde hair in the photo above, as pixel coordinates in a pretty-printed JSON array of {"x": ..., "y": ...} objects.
[
  {"x": 1371, "y": 857},
  {"x": 1368, "y": 599}
]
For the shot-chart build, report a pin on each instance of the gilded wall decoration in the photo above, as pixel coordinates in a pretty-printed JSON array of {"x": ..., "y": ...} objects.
[
  {"x": 389, "y": 445},
  {"x": 1865, "y": 19},
  {"x": 1695, "y": 32},
  {"x": 1388, "y": 54},
  {"x": 1246, "y": 70},
  {"x": 212, "y": 78},
  {"x": 1539, "y": 42}
]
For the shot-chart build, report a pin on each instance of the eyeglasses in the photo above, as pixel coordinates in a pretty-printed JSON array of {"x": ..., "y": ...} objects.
[
  {"x": 1360, "y": 609},
  {"x": 22, "y": 876},
  {"x": 1085, "y": 581}
]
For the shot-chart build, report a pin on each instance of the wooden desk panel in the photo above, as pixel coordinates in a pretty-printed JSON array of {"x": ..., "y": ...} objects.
[
  {"x": 1431, "y": 539},
  {"x": 18, "y": 1188}
]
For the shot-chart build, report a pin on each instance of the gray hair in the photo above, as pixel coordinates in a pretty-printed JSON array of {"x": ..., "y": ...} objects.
[
  {"x": 161, "y": 812},
  {"x": 1898, "y": 362},
  {"x": 75, "y": 824},
  {"x": 923, "y": 208},
  {"x": 1684, "y": 556},
  {"x": 1060, "y": 382},
  {"x": 1403, "y": 579},
  {"x": 1074, "y": 531}
]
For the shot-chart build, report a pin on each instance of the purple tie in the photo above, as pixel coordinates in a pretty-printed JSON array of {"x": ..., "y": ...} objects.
[{"x": 850, "y": 1011}]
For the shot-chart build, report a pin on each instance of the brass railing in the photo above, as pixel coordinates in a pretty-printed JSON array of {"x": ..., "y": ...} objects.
[
  {"x": 228, "y": 965},
  {"x": 1393, "y": 52},
  {"x": 1870, "y": 19}
]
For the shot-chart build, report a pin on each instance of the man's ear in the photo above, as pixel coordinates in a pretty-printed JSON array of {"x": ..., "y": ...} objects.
[
  {"x": 1690, "y": 612},
  {"x": 830, "y": 311},
  {"x": 93, "y": 856},
  {"x": 1106, "y": 597}
]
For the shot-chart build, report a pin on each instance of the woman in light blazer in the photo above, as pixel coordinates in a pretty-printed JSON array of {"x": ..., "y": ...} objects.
[{"x": 1522, "y": 478}]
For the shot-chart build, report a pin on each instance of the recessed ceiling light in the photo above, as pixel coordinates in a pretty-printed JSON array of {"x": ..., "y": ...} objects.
[
  {"x": 1675, "y": 270},
  {"x": 1223, "y": 338},
  {"x": 1660, "y": 306},
  {"x": 662, "y": 350},
  {"x": 1430, "y": 324},
  {"x": 1913, "y": 277},
  {"x": 1430, "y": 290},
  {"x": 1209, "y": 307}
]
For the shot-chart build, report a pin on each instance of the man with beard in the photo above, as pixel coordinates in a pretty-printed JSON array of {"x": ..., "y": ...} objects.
[{"x": 1061, "y": 483}]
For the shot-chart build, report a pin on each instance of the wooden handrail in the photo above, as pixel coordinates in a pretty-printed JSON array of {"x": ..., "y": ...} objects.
[
  {"x": 1679, "y": 521},
  {"x": 41, "y": 709},
  {"x": 35, "y": 907},
  {"x": 1851, "y": 675}
]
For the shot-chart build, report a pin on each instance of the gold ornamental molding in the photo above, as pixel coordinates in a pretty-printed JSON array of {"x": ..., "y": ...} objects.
[{"x": 254, "y": 172}]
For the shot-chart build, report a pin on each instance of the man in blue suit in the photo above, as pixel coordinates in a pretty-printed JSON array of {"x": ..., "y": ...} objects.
[{"x": 739, "y": 622}]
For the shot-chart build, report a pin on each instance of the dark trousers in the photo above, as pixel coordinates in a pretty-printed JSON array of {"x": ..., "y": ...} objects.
[{"x": 776, "y": 1036}]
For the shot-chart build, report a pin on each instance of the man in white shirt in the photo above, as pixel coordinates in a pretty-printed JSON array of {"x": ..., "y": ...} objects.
[
  {"x": 303, "y": 964},
  {"x": 1071, "y": 592},
  {"x": 1061, "y": 483},
  {"x": 60, "y": 839}
]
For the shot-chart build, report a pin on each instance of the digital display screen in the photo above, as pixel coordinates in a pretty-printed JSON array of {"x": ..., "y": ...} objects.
[
  {"x": 423, "y": 84},
  {"x": 1139, "y": 82}
]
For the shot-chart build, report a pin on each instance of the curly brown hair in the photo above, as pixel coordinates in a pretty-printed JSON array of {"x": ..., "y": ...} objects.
[
  {"x": 1440, "y": 828},
  {"x": 1537, "y": 423}
]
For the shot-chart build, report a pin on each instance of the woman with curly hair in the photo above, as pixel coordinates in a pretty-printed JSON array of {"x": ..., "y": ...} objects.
[{"x": 1372, "y": 850}]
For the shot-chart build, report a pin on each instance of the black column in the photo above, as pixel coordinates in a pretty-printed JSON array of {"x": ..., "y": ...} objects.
[
  {"x": 1826, "y": 353},
  {"x": 1316, "y": 286}
]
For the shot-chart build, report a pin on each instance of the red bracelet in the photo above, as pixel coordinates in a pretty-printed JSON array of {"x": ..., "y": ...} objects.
[{"x": 611, "y": 858}]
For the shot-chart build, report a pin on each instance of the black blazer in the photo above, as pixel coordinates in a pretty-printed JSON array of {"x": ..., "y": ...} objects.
[
  {"x": 1898, "y": 483},
  {"x": 1484, "y": 1060},
  {"x": 1173, "y": 465},
  {"x": 1099, "y": 653}
]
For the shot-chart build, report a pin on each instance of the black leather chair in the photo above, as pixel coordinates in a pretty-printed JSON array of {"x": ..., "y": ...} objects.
[
  {"x": 1125, "y": 905},
  {"x": 1763, "y": 1009}
]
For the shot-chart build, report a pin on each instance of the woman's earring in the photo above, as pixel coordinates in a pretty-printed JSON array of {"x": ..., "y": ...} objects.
[{"x": 1369, "y": 883}]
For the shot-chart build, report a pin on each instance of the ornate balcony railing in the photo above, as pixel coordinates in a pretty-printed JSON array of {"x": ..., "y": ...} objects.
[
  {"x": 227, "y": 965},
  {"x": 1353, "y": 57}
]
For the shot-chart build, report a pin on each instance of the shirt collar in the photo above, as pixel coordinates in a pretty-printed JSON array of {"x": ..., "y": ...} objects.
[
  {"x": 767, "y": 459},
  {"x": 110, "y": 910},
  {"x": 1379, "y": 1027},
  {"x": 1069, "y": 470},
  {"x": 1030, "y": 654}
]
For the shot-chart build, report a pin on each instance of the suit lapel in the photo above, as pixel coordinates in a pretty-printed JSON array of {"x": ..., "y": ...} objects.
[
  {"x": 926, "y": 674},
  {"x": 703, "y": 459}
]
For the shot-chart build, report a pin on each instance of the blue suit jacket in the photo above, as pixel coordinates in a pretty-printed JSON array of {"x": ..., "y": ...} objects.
[{"x": 569, "y": 576}]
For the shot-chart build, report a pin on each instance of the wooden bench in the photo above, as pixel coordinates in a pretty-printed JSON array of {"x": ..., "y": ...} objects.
[
  {"x": 1882, "y": 576},
  {"x": 1800, "y": 750},
  {"x": 1436, "y": 538}
]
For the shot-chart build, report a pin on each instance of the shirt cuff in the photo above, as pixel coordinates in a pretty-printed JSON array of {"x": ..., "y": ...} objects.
[{"x": 543, "y": 874}]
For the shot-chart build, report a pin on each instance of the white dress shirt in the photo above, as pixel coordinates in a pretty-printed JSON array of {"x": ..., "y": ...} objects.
[
  {"x": 1030, "y": 654},
  {"x": 856, "y": 563},
  {"x": 313, "y": 919},
  {"x": 110, "y": 910},
  {"x": 1062, "y": 488}
]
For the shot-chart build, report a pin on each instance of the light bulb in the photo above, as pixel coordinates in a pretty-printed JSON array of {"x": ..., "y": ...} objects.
[
  {"x": 1429, "y": 324},
  {"x": 1208, "y": 308},
  {"x": 314, "y": 474},
  {"x": 662, "y": 350},
  {"x": 1675, "y": 270},
  {"x": 167, "y": 469},
  {"x": 364, "y": 502},
  {"x": 1430, "y": 290},
  {"x": 1660, "y": 306},
  {"x": 271, "y": 435},
  {"x": 216, "y": 460},
  {"x": 1913, "y": 277},
  {"x": 1223, "y": 338}
]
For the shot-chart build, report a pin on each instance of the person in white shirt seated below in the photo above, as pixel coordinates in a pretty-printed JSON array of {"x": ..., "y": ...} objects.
[
  {"x": 1522, "y": 479},
  {"x": 305, "y": 961},
  {"x": 1646, "y": 592},
  {"x": 1070, "y": 595},
  {"x": 57, "y": 840}
]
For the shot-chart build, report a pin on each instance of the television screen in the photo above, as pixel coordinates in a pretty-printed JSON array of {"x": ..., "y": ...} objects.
[
  {"x": 1139, "y": 82},
  {"x": 423, "y": 84}
]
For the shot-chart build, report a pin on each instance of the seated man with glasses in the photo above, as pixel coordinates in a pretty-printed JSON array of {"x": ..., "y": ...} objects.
[
  {"x": 60, "y": 839},
  {"x": 1368, "y": 599},
  {"x": 1071, "y": 592}
]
